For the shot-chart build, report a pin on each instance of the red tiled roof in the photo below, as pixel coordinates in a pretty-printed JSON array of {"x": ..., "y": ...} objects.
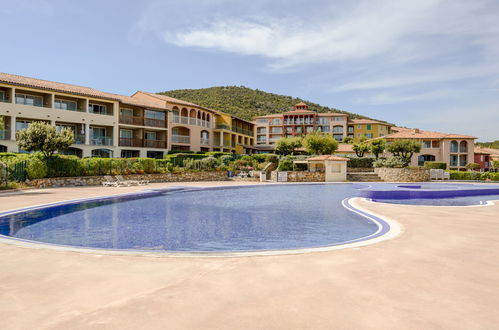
[
  {"x": 343, "y": 147},
  {"x": 366, "y": 121},
  {"x": 418, "y": 134},
  {"x": 71, "y": 89},
  {"x": 168, "y": 99},
  {"x": 487, "y": 151},
  {"x": 327, "y": 157}
]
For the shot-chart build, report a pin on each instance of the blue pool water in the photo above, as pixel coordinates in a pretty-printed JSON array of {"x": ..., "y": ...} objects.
[
  {"x": 270, "y": 217},
  {"x": 232, "y": 219}
]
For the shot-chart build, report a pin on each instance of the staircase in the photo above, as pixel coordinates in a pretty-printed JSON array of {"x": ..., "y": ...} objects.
[{"x": 363, "y": 177}]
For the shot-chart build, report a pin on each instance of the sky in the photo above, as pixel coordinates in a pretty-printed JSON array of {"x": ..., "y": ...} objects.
[{"x": 428, "y": 64}]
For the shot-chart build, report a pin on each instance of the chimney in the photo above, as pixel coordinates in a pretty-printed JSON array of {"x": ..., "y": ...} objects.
[{"x": 415, "y": 131}]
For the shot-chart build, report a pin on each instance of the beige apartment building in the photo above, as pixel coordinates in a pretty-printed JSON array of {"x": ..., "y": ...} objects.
[
  {"x": 111, "y": 125},
  {"x": 454, "y": 149},
  {"x": 301, "y": 120}
]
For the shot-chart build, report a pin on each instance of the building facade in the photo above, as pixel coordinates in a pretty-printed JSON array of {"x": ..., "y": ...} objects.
[
  {"x": 111, "y": 125},
  {"x": 454, "y": 149},
  {"x": 301, "y": 120}
]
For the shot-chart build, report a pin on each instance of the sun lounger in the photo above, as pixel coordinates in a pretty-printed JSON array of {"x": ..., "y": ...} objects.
[
  {"x": 110, "y": 182},
  {"x": 131, "y": 182}
]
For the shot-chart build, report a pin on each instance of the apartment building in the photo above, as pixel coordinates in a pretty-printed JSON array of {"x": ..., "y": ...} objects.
[
  {"x": 454, "y": 149},
  {"x": 111, "y": 125},
  {"x": 198, "y": 128},
  {"x": 301, "y": 120}
]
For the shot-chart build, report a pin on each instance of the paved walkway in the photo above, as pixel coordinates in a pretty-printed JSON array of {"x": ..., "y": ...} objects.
[{"x": 441, "y": 273}]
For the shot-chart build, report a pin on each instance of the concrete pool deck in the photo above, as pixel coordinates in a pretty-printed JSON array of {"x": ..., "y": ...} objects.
[{"x": 441, "y": 273}]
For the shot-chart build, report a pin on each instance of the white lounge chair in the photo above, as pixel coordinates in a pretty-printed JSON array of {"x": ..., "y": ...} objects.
[
  {"x": 433, "y": 174},
  {"x": 110, "y": 182},
  {"x": 131, "y": 182}
]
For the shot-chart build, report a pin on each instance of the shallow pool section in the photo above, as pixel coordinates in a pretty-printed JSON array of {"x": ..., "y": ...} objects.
[{"x": 276, "y": 217}]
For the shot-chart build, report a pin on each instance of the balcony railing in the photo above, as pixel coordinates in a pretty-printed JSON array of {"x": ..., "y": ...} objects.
[
  {"x": 224, "y": 144},
  {"x": 242, "y": 131},
  {"x": 154, "y": 122},
  {"x": 223, "y": 126},
  {"x": 79, "y": 139},
  {"x": 205, "y": 141},
  {"x": 154, "y": 143},
  {"x": 130, "y": 142},
  {"x": 181, "y": 138},
  {"x": 101, "y": 141},
  {"x": 132, "y": 120},
  {"x": 4, "y": 134},
  {"x": 192, "y": 121}
]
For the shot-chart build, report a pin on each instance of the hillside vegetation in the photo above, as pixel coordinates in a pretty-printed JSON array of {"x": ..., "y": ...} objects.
[
  {"x": 246, "y": 103},
  {"x": 494, "y": 144}
]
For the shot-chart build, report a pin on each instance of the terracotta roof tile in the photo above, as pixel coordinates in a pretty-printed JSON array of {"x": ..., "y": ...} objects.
[
  {"x": 327, "y": 157},
  {"x": 418, "y": 134},
  {"x": 366, "y": 121}
]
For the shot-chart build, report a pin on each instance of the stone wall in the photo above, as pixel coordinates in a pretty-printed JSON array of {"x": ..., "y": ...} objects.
[
  {"x": 359, "y": 169},
  {"x": 160, "y": 177},
  {"x": 302, "y": 176},
  {"x": 403, "y": 174}
]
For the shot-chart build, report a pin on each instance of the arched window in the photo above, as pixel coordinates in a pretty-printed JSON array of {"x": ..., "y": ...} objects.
[
  {"x": 453, "y": 146},
  {"x": 184, "y": 112},
  {"x": 463, "y": 146},
  {"x": 175, "y": 111}
]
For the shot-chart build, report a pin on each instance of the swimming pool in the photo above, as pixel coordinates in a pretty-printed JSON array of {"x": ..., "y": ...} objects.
[{"x": 225, "y": 219}]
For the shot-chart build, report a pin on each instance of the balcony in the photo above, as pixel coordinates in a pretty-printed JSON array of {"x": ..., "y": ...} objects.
[
  {"x": 101, "y": 141},
  {"x": 129, "y": 142},
  {"x": 132, "y": 120},
  {"x": 154, "y": 143},
  {"x": 191, "y": 121},
  {"x": 154, "y": 122},
  {"x": 79, "y": 139},
  {"x": 4, "y": 134},
  {"x": 181, "y": 139},
  {"x": 223, "y": 126},
  {"x": 205, "y": 142}
]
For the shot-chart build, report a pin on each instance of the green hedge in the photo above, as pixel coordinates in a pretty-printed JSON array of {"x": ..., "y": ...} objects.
[
  {"x": 435, "y": 165},
  {"x": 461, "y": 175},
  {"x": 363, "y": 162}
]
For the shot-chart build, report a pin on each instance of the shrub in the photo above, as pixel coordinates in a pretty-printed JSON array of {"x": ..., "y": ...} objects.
[
  {"x": 247, "y": 158},
  {"x": 404, "y": 148},
  {"x": 209, "y": 163},
  {"x": 376, "y": 147},
  {"x": 43, "y": 137},
  {"x": 435, "y": 165},
  {"x": 495, "y": 164},
  {"x": 365, "y": 162},
  {"x": 260, "y": 158},
  {"x": 391, "y": 162},
  {"x": 285, "y": 164},
  {"x": 226, "y": 159},
  {"x": 36, "y": 168},
  {"x": 271, "y": 158},
  {"x": 287, "y": 146}
]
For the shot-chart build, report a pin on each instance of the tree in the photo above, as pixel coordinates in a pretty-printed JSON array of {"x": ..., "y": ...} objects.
[
  {"x": 360, "y": 149},
  {"x": 376, "y": 147},
  {"x": 287, "y": 146},
  {"x": 473, "y": 166},
  {"x": 404, "y": 148},
  {"x": 347, "y": 139},
  {"x": 495, "y": 164},
  {"x": 43, "y": 137},
  {"x": 318, "y": 143}
]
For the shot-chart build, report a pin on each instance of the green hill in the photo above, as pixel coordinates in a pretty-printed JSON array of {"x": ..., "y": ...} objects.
[
  {"x": 493, "y": 145},
  {"x": 246, "y": 103}
]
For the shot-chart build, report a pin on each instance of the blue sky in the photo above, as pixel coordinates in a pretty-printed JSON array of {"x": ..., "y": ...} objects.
[{"x": 431, "y": 64}]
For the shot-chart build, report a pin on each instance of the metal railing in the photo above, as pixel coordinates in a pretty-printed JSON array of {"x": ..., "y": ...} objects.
[
  {"x": 101, "y": 141},
  {"x": 191, "y": 121},
  {"x": 181, "y": 138},
  {"x": 242, "y": 131},
  {"x": 130, "y": 142},
  {"x": 79, "y": 139},
  {"x": 154, "y": 122},
  {"x": 154, "y": 143},
  {"x": 205, "y": 141},
  {"x": 132, "y": 120},
  {"x": 223, "y": 126}
]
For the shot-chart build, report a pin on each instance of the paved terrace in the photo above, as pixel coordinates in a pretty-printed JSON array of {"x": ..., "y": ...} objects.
[{"x": 441, "y": 273}]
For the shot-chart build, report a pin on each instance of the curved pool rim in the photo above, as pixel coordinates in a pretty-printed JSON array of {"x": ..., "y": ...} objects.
[{"x": 387, "y": 229}]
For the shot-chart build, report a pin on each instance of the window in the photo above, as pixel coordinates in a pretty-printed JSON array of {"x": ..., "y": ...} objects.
[
  {"x": 276, "y": 122},
  {"x": 102, "y": 153},
  {"x": 97, "y": 108},
  {"x": 126, "y": 112},
  {"x": 158, "y": 115},
  {"x": 29, "y": 100},
  {"x": 338, "y": 129},
  {"x": 65, "y": 105},
  {"x": 129, "y": 153},
  {"x": 150, "y": 135},
  {"x": 368, "y": 127},
  {"x": 126, "y": 133},
  {"x": 2, "y": 96},
  {"x": 453, "y": 146},
  {"x": 262, "y": 121},
  {"x": 261, "y": 130},
  {"x": 323, "y": 120},
  {"x": 22, "y": 124},
  {"x": 60, "y": 127},
  {"x": 435, "y": 144},
  {"x": 155, "y": 154},
  {"x": 425, "y": 158},
  {"x": 325, "y": 129},
  {"x": 369, "y": 135},
  {"x": 277, "y": 130},
  {"x": 463, "y": 146},
  {"x": 453, "y": 160},
  {"x": 426, "y": 144},
  {"x": 337, "y": 118},
  {"x": 338, "y": 137},
  {"x": 359, "y": 126}
]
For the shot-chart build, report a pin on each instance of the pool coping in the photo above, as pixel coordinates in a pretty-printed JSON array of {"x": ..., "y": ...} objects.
[{"x": 387, "y": 228}]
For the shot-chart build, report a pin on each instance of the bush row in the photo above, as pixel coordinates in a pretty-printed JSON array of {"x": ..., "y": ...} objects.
[{"x": 461, "y": 175}]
